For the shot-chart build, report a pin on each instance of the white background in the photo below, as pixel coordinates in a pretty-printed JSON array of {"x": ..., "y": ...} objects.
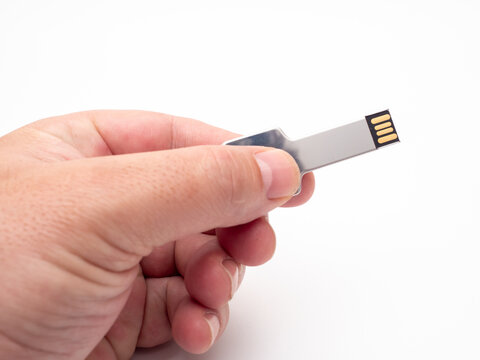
[{"x": 383, "y": 263}]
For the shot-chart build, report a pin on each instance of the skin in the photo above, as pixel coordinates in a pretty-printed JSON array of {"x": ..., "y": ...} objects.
[{"x": 125, "y": 229}]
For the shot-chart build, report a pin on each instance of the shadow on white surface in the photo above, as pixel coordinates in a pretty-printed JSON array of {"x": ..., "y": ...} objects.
[{"x": 169, "y": 351}]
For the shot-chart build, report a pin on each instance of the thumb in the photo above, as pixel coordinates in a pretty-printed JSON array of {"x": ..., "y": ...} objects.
[{"x": 145, "y": 200}]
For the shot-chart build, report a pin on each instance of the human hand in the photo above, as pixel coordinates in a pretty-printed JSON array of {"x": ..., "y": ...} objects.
[{"x": 100, "y": 254}]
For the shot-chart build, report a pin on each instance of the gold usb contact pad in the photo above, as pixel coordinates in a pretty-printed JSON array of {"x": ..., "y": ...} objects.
[{"x": 382, "y": 128}]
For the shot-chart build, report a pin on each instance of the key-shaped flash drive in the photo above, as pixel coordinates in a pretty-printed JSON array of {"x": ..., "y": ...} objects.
[{"x": 331, "y": 146}]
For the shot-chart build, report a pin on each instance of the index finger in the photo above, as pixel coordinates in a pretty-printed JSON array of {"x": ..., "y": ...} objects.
[
  {"x": 130, "y": 131},
  {"x": 134, "y": 131}
]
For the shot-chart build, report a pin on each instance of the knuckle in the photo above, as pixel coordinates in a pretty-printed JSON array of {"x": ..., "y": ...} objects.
[{"x": 234, "y": 176}]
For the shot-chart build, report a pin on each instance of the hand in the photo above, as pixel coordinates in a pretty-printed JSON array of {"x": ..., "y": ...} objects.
[{"x": 100, "y": 254}]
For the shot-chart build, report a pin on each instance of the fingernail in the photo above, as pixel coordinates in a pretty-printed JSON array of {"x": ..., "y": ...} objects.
[
  {"x": 214, "y": 325},
  {"x": 279, "y": 173},
  {"x": 232, "y": 271},
  {"x": 241, "y": 273}
]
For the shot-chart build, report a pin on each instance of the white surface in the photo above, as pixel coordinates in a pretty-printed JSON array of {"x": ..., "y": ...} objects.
[{"x": 383, "y": 263}]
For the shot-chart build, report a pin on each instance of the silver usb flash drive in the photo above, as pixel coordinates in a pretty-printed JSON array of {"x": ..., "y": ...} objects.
[{"x": 331, "y": 146}]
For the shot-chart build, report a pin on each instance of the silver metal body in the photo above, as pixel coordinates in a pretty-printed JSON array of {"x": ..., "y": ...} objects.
[{"x": 318, "y": 150}]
